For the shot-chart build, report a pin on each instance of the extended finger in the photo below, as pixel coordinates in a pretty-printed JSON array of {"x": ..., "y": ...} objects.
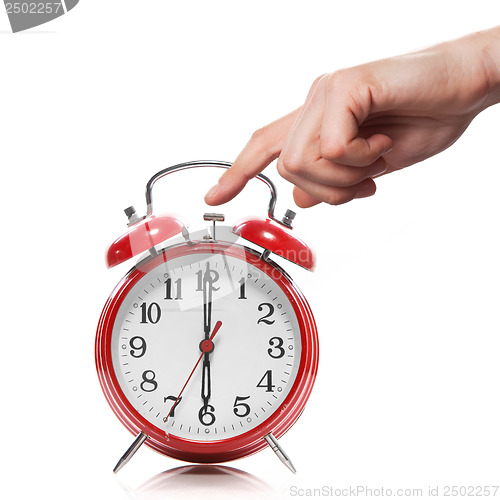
[{"x": 264, "y": 146}]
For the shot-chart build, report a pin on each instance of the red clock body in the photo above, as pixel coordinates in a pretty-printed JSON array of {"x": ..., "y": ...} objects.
[{"x": 206, "y": 347}]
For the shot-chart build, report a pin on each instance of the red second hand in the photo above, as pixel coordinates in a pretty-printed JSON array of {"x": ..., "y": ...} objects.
[{"x": 206, "y": 346}]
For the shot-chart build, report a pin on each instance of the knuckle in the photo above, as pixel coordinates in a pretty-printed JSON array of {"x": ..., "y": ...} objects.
[
  {"x": 340, "y": 79},
  {"x": 292, "y": 163},
  {"x": 349, "y": 177},
  {"x": 336, "y": 198},
  {"x": 321, "y": 78},
  {"x": 259, "y": 135},
  {"x": 332, "y": 198},
  {"x": 330, "y": 149},
  {"x": 260, "y": 143},
  {"x": 282, "y": 170}
]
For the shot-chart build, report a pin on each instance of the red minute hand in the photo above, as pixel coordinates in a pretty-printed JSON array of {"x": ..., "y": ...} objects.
[{"x": 205, "y": 346}]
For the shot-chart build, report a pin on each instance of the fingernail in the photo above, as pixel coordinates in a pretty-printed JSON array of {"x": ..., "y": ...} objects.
[
  {"x": 212, "y": 191},
  {"x": 379, "y": 171},
  {"x": 365, "y": 192}
]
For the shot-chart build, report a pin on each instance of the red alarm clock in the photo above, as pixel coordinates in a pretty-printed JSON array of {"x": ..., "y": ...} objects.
[{"x": 206, "y": 350}]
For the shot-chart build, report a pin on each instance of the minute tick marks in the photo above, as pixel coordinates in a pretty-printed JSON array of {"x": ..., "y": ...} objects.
[{"x": 163, "y": 347}]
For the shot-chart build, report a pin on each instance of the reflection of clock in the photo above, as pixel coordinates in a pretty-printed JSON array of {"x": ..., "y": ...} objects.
[
  {"x": 217, "y": 481},
  {"x": 206, "y": 349}
]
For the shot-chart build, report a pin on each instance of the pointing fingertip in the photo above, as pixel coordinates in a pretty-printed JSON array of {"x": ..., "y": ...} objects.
[
  {"x": 211, "y": 194},
  {"x": 225, "y": 190}
]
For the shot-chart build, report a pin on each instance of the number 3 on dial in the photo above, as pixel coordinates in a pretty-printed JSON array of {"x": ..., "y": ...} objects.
[{"x": 250, "y": 379}]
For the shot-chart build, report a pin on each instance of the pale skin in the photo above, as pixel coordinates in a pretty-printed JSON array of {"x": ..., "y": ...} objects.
[{"x": 360, "y": 123}]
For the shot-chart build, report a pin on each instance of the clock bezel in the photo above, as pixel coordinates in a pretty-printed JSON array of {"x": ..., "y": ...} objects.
[{"x": 234, "y": 447}]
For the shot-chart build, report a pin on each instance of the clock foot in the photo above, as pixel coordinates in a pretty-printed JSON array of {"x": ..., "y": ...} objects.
[
  {"x": 273, "y": 443},
  {"x": 139, "y": 440}
]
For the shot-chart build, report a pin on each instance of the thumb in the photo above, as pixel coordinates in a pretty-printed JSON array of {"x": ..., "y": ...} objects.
[{"x": 264, "y": 147}]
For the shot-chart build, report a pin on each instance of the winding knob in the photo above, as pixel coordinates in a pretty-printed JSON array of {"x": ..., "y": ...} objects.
[{"x": 288, "y": 218}]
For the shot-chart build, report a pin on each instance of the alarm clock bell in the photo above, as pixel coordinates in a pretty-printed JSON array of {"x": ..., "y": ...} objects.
[
  {"x": 150, "y": 330},
  {"x": 269, "y": 233}
]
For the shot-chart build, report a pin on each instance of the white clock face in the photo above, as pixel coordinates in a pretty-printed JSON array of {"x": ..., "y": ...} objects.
[{"x": 157, "y": 341}]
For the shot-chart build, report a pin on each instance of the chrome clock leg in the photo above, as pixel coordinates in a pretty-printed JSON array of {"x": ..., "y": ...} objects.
[
  {"x": 273, "y": 443},
  {"x": 139, "y": 440}
]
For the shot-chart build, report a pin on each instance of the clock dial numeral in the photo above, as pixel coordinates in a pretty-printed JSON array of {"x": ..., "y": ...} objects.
[
  {"x": 149, "y": 384},
  {"x": 174, "y": 406},
  {"x": 168, "y": 289},
  {"x": 276, "y": 343},
  {"x": 199, "y": 288},
  {"x": 268, "y": 384},
  {"x": 264, "y": 319},
  {"x": 151, "y": 313},
  {"x": 137, "y": 347},
  {"x": 211, "y": 275},
  {"x": 206, "y": 415},
  {"x": 242, "y": 283},
  {"x": 241, "y": 409},
  {"x": 162, "y": 329}
]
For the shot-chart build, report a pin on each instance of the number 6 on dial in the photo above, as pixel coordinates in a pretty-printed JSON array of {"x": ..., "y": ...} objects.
[{"x": 203, "y": 372}]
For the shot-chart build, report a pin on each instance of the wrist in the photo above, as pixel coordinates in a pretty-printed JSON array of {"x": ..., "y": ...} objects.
[{"x": 488, "y": 43}]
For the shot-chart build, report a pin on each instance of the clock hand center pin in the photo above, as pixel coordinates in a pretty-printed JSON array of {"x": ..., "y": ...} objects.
[
  {"x": 207, "y": 343},
  {"x": 205, "y": 346}
]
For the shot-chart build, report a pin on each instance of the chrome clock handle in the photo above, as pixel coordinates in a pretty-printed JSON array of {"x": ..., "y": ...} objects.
[{"x": 286, "y": 221}]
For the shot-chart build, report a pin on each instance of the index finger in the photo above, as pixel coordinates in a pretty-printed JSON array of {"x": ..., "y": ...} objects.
[{"x": 264, "y": 147}]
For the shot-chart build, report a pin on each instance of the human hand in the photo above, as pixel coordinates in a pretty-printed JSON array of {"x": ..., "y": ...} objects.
[{"x": 362, "y": 122}]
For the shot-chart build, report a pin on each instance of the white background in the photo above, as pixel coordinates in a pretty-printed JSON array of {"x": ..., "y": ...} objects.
[{"x": 406, "y": 292}]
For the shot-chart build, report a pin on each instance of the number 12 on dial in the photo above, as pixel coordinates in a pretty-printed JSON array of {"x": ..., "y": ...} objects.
[{"x": 204, "y": 350}]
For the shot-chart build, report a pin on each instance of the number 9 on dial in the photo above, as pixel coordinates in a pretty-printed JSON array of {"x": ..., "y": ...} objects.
[{"x": 206, "y": 350}]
